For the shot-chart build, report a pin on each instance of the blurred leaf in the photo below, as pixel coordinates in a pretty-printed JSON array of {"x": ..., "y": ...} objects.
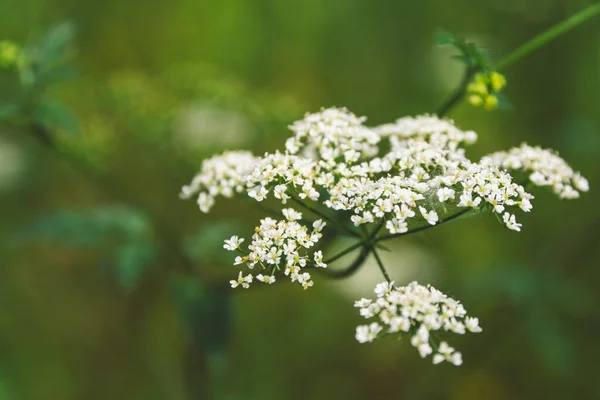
[
  {"x": 56, "y": 75},
  {"x": 206, "y": 244},
  {"x": 128, "y": 231},
  {"x": 206, "y": 313},
  {"x": 503, "y": 101},
  {"x": 9, "y": 110},
  {"x": 55, "y": 43},
  {"x": 550, "y": 341},
  {"x": 443, "y": 37},
  {"x": 474, "y": 57},
  {"x": 5, "y": 392},
  {"x": 54, "y": 115},
  {"x": 132, "y": 259}
]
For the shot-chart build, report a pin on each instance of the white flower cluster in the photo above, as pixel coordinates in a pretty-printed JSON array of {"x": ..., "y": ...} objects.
[
  {"x": 279, "y": 246},
  {"x": 424, "y": 171},
  {"x": 545, "y": 168},
  {"x": 223, "y": 175},
  {"x": 441, "y": 133},
  {"x": 333, "y": 135},
  {"x": 421, "y": 178},
  {"x": 418, "y": 311}
]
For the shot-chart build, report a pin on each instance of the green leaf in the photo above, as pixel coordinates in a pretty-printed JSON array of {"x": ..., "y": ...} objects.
[{"x": 54, "y": 115}]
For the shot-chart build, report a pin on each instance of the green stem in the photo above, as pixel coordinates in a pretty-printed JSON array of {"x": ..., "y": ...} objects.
[
  {"x": 424, "y": 227},
  {"x": 457, "y": 95},
  {"x": 367, "y": 246},
  {"x": 325, "y": 217},
  {"x": 522, "y": 51},
  {"x": 352, "y": 268},
  {"x": 344, "y": 252},
  {"x": 548, "y": 35},
  {"x": 380, "y": 263}
]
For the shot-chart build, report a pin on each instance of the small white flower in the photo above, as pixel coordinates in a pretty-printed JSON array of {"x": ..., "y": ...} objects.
[
  {"x": 362, "y": 303},
  {"x": 423, "y": 312},
  {"x": 318, "y": 225},
  {"x": 445, "y": 194},
  {"x": 205, "y": 202},
  {"x": 367, "y": 333},
  {"x": 243, "y": 281},
  {"x": 265, "y": 278},
  {"x": 318, "y": 257},
  {"x": 431, "y": 217},
  {"x": 280, "y": 193},
  {"x": 240, "y": 260},
  {"x": 424, "y": 350},
  {"x": 472, "y": 324},
  {"x": 232, "y": 243},
  {"x": 383, "y": 288},
  {"x": 511, "y": 222},
  {"x": 291, "y": 215}
]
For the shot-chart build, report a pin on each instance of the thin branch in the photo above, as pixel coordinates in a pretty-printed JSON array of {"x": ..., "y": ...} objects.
[
  {"x": 345, "y": 252},
  {"x": 352, "y": 268},
  {"x": 548, "y": 35},
  {"x": 457, "y": 95},
  {"x": 523, "y": 50},
  {"x": 325, "y": 217},
  {"x": 367, "y": 247},
  {"x": 381, "y": 266},
  {"x": 424, "y": 227}
]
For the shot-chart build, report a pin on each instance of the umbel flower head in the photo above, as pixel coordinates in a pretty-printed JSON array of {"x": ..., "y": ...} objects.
[
  {"x": 400, "y": 177},
  {"x": 420, "y": 312}
]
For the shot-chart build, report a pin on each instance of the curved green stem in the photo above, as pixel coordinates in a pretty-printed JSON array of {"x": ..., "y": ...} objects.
[
  {"x": 548, "y": 35},
  {"x": 352, "y": 268},
  {"x": 344, "y": 252},
  {"x": 457, "y": 95}
]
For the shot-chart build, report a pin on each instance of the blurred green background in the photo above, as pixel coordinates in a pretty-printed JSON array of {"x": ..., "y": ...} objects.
[{"x": 113, "y": 288}]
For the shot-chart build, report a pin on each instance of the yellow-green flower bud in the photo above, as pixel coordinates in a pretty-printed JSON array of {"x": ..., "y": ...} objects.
[
  {"x": 477, "y": 87},
  {"x": 498, "y": 81},
  {"x": 9, "y": 53},
  {"x": 490, "y": 102},
  {"x": 475, "y": 100}
]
